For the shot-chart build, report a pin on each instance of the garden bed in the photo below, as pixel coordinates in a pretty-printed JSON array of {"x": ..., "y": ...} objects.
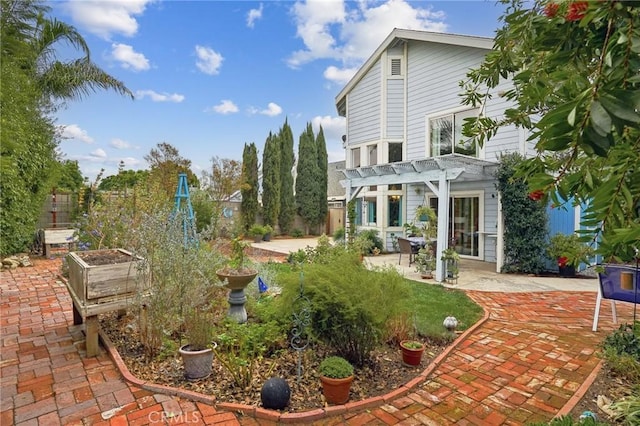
[{"x": 384, "y": 374}]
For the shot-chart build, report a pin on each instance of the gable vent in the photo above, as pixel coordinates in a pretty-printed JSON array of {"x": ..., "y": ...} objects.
[{"x": 396, "y": 66}]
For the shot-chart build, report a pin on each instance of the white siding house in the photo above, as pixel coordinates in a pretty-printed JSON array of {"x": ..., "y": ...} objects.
[{"x": 404, "y": 148}]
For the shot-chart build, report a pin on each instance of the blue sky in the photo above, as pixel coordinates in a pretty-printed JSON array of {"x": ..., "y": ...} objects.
[{"x": 210, "y": 76}]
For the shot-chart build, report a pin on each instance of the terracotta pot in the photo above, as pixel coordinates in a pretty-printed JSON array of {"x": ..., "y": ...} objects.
[
  {"x": 197, "y": 364},
  {"x": 410, "y": 356},
  {"x": 626, "y": 280},
  {"x": 336, "y": 391}
]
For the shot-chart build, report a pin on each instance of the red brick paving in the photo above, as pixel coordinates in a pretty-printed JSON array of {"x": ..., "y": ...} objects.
[{"x": 524, "y": 363}]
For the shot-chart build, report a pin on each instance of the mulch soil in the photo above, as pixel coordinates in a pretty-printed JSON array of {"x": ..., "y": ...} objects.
[{"x": 381, "y": 375}]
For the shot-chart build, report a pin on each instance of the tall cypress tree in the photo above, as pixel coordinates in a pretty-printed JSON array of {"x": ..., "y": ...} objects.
[
  {"x": 287, "y": 159},
  {"x": 323, "y": 178},
  {"x": 271, "y": 180},
  {"x": 249, "y": 188},
  {"x": 307, "y": 188}
]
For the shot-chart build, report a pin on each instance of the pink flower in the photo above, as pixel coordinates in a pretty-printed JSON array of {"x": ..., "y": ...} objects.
[{"x": 577, "y": 10}]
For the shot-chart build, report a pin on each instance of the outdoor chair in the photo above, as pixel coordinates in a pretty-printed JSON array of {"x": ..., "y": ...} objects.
[{"x": 407, "y": 248}]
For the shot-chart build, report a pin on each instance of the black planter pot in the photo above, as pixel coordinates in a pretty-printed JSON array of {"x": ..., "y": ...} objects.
[{"x": 568, "y": 271}]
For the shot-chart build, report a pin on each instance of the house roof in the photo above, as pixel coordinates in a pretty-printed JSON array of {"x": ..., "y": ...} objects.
[{"x": 402, "y": 35}]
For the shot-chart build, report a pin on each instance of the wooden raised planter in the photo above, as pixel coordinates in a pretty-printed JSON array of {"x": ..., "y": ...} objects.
[{"x": 100, "y": 288}]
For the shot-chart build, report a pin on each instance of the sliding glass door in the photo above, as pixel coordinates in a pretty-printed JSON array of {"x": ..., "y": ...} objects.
[{"x": 464, "y": 223}]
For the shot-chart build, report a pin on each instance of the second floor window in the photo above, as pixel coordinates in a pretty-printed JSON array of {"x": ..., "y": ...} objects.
[
  {"x": 395, "y": 152},
  {"x": 445, "y": 135},
  {"x": 373, "y": 155},
  {"x": 355, "y": 157}
]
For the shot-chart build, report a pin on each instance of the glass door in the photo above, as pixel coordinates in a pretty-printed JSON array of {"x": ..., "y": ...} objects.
[{"x": 463, "y": 223}]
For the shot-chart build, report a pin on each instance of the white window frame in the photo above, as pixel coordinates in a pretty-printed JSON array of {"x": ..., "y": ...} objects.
[{"x": 441, "y": 114}]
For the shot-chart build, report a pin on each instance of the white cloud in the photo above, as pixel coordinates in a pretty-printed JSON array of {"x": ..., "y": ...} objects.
[
  {"x": 119, "y": 144},
  {"x": 98, "y": 153},
  {"x": 209, "y": 61},
  {"x": 159, "y": 97},
  {"x": 349, "y": 34},
  {"x": 314, "y": 20},
  {"x": 225, "y": 106},
  {"x": 129, "y": 162},
  {"x": 333, "y": 127},
  {"x": 272, "y": 110},
  {"x": 128, "y": 58},
  {"x": 105, "y": 18},
  {"x": 73, "y": 131},
  {"x": 254, "y": 15},
  {"x": 340, "y": 76}
]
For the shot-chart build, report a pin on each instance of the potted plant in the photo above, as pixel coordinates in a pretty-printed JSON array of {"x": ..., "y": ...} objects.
[
  {"x": 425, "y": 262},
  {"x": 427, "y": 216},
  {"x": 569, "y": 252},
  {"x": 410, "y": 229},
  {"x": 197, "y": 354},
  {"x": 268, "y": 230},
  {"x": 412, "y": 351},
  {"x": 236, "y": 276},
  {"x": 451, "y": 258},
  {"x": 257, "y": 232},
  {"x": 336, "y": 375}
]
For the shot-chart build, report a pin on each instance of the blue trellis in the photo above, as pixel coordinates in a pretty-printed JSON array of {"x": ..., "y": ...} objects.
[{"x": 185, "y": 210}]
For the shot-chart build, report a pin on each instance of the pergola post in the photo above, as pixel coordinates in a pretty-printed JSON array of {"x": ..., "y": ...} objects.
[{"x": 442, "y": 241}]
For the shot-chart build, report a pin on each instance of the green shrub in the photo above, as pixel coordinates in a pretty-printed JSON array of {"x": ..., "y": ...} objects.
[
  {"x": 323, "y": 253},
  {"x": 372, "y": 236},
  {"x": 256, "y": 230},
  {"x": 242, "y": 346},
  {"x": 299, "y": 256},
  {"x": 568, "y": 421},
  {"x": 525, "y": 220},
  {"x": 628, "y": 408},
  {"x": 350, "y": 305},
  {"x": 621, "y": 350},
  {"x": 339, "y": 234},
  {"x": 296, "y": 233},
  {"x": 335, "y": 367}
]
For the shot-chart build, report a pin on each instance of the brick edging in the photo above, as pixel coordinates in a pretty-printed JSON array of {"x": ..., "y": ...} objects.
[
  {"x": 582, "y": 390},
  {"x": 286, "y": 417}
]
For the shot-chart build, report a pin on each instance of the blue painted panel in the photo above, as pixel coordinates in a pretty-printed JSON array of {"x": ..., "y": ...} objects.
[{"x": 561, "y": 220}]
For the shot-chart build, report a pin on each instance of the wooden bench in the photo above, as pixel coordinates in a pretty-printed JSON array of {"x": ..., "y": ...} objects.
[
  {"x": 55, "y": 236},
  {"x": 617, "y": 282}
]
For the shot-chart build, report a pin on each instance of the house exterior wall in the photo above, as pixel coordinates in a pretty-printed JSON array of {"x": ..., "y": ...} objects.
[
  {"x": 433, "y": 75},
  {"x": 382, "y": 108},
  {"x": 363, "y": 119},
  {"x": 395, "y": 111}
]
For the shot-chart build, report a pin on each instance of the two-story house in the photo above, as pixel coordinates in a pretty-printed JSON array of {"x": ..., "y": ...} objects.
[{"x": 404, "y": 146}]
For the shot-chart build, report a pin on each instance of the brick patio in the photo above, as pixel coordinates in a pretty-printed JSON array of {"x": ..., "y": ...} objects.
[{"x": 530, "y": 359}]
